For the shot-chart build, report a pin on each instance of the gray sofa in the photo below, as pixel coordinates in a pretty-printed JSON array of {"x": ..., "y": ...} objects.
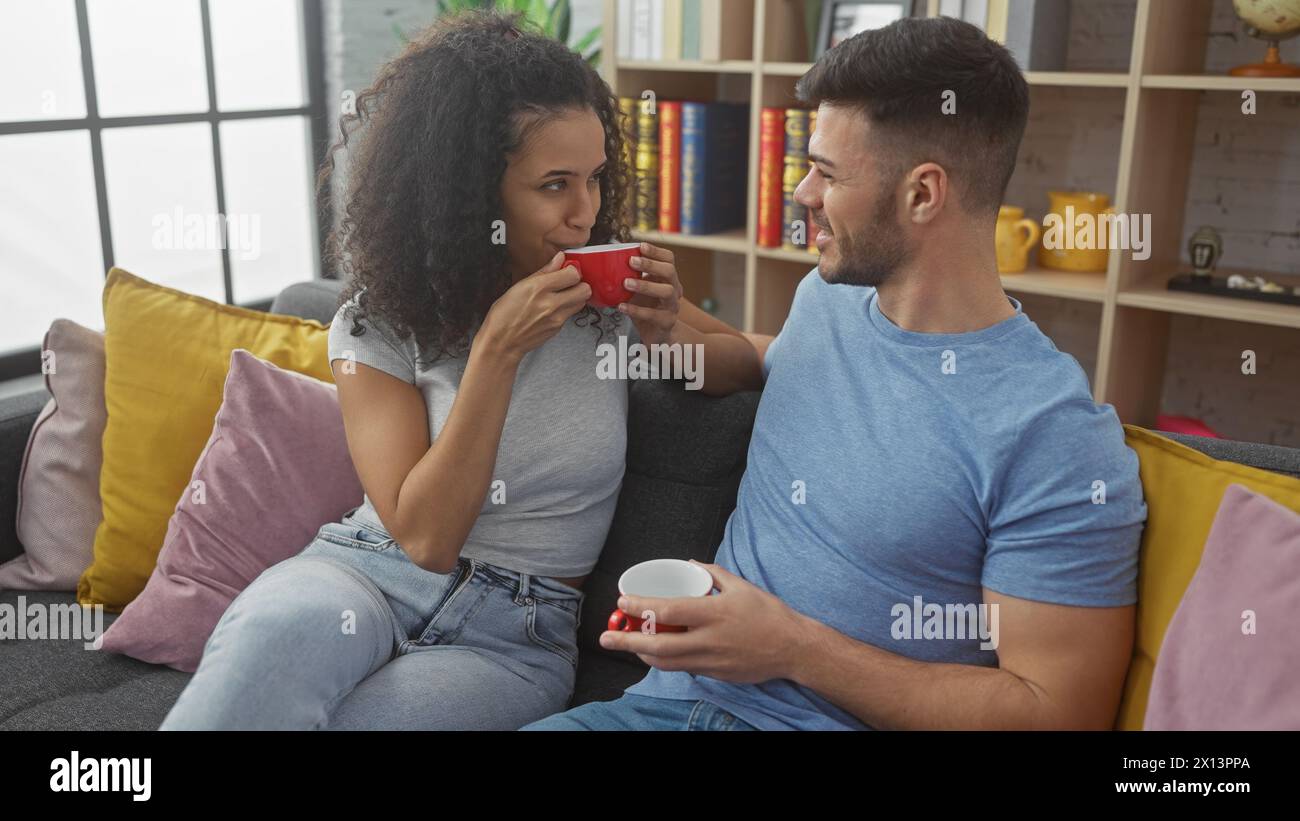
[{"x": 686, "y": 454}]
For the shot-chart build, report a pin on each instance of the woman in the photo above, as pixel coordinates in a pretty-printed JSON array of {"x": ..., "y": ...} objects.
[{"x": 465, "y": 357}]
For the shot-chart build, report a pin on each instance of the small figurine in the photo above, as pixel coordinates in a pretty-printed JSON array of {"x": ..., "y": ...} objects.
[
  {"x": 1264, "y": 286},
  {"x": 1205, "y": 249}
]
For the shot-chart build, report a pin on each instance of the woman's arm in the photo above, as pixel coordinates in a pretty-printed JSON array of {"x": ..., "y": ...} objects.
[
  {"x": 729, "y": 362},
  {"x": 427, "y": 497},
  {"x": 701, "y": 320}
]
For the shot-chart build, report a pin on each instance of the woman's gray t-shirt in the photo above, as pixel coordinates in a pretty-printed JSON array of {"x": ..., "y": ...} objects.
[{"x": 562, "y": 452}]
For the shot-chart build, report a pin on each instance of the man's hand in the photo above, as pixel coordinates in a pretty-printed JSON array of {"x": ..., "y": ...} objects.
[{"x": 742, "y": 634}]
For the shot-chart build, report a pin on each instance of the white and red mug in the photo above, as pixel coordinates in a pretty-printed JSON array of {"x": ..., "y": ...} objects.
[{"x": 659, "y": 578}]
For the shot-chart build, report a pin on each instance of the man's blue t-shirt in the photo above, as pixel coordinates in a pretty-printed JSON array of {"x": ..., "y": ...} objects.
[{"x": 888, "y": 464}]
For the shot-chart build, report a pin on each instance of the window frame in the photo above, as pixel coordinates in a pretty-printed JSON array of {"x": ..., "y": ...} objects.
[{"x": 27, "y": 361}]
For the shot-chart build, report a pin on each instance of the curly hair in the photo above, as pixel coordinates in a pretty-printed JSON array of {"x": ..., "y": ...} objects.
[{"x": 424, "y": 180}]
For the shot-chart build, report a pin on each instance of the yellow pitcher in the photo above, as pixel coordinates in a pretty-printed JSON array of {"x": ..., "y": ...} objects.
[
  {"x": 1075, "y": 248},
  {"x": 1014, "y": 236}
]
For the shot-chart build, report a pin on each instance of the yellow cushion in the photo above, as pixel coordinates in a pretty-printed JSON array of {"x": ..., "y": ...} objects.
[
  {"x": 1183, "y": 488},
  {"x": 167, "y": 355}
]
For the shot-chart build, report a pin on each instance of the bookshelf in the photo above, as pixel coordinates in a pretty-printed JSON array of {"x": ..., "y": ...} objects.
[{"x": 1157, "y": 97}]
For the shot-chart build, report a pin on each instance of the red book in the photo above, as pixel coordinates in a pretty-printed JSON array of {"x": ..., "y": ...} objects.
[
  {"x": 670, "y": 166},
  {"x": 771, "y": 167}
]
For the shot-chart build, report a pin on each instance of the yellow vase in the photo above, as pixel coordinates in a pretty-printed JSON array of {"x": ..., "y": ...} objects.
[
  {"x": 1014, "y": 236},
  {"x": 1074, "y": 247}
]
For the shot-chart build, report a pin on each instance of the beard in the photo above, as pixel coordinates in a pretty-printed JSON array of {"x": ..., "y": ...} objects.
[{"x": 873, "y": 260}]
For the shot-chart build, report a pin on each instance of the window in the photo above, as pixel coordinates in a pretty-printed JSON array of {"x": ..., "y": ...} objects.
[{"x": 176, "y": 139}]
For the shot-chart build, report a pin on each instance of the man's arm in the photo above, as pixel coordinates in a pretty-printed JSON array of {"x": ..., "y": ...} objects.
[{"x": 1059, "y": 668}]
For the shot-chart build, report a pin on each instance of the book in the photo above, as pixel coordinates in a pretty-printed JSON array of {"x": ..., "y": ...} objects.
[
  {"x": 995, "y": 21},
  {"x": 808, "y": 220},
  {"x": 672, "y": 29},
  {"x": 641, "y": 29},
  {"x": 715, "y": 153},
  {"x": 647, "y": 166},
  {"x": 691, "y": 29},
  {"x": 1038, "y": 33},
  {"x": 771, "y": 167},
  {"x": 975, "y": 12},
  {"x": 726, "y": 29},
  {"x": 656, "y": 30},
  {"x": 796, "y": 168},
  {"x": 670, "y": 158},
  {"x": 624, "y": 29},
  {"x": 627, "y": 107}
]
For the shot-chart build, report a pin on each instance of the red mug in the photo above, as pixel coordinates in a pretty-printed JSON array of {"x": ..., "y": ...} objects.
[
  {"x": 659, "y": 578},
  {"x": 604, "y": 267}
]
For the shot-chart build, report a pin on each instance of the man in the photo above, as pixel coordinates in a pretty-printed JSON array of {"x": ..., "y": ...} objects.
[{"x": 937, "y": 527}]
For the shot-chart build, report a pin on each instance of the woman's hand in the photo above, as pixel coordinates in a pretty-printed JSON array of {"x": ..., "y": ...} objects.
[
  {"x": 534, "y": 309},
  {"x": 656, "y": 295}
]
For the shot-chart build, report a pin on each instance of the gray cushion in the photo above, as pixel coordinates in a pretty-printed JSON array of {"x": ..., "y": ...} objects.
[
  {"x": 1265, "y": 457},
  {"x": 60, "y": 685},
  {"x": 316, "y": 299},
  {"x": 17, "y": 415}
]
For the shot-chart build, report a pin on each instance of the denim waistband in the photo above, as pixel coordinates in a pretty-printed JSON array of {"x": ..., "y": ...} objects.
[
  {"x": 525, "y": 585},
  {"x": 521, "y": 585}
]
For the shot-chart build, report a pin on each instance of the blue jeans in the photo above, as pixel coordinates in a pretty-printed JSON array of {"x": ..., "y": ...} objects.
[
  {"x": 352, "y": 634},
  {"x": 633, "y": 712}
]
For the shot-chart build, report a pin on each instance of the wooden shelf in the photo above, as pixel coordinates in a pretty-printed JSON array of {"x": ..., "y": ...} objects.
[
  {"x": 1155, "y": 156},
  {"x": 720, "y": 67},
  {"x": 1218, "y": 307},
  {"x": 1086, "y": 79},
  {"x": 731, "y": 242},
  {"x": 786, "y": 69},
  {"x": 1219, "y": 82},
  {"x": 1090, "y": 287},
  {"x": 786, "y": 255}
]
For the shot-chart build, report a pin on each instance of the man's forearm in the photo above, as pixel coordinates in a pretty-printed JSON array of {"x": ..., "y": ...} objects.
[
  {"x": 729, "y": 362},
  {"x": 887, "y": 691}
]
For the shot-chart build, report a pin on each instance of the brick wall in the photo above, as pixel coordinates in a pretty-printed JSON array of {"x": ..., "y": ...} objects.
[{"x": 1245, "y": 181}]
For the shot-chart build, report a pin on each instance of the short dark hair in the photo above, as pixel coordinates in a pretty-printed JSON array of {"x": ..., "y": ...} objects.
[{"x": 897, "y": 77}]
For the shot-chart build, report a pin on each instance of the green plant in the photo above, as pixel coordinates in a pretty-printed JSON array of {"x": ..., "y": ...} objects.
[{"x": 553, "y": 20}]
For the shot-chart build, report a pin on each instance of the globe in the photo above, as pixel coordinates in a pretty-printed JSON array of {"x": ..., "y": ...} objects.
[
  {"x": 1271, "y": 21},
  {"x": 1276, "y": 17}
]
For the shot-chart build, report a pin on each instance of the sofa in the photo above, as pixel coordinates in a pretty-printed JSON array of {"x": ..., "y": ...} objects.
[{"x": 686, "y": 454}]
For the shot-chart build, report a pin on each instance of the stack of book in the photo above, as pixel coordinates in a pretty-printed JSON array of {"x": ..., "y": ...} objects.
[
  {"x": 708, "y": 30},
  {"x": 691, "y": 161},
  {"x": 782, "y": 163}
]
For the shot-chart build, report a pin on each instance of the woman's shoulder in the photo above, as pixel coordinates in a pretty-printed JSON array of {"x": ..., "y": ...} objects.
[{"x": 366, "y": 337}]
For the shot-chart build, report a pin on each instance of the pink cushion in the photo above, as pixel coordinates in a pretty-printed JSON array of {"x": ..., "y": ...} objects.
[
  {"x": 274, "y": 470},
  {"x": 58, "y": 482},
  {"x": 1217, "y": 671}
]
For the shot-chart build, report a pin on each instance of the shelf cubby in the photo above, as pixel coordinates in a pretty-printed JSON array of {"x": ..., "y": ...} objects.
[{"x": 1140, "y": 77}]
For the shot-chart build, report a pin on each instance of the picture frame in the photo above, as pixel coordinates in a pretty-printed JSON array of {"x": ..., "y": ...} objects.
[{"x": 841, "y": 19}]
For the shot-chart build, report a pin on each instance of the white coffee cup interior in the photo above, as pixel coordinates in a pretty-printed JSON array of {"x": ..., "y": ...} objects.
[
  {"x": 665, "y": 578},
  {"x": 596, "y": 249}
]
